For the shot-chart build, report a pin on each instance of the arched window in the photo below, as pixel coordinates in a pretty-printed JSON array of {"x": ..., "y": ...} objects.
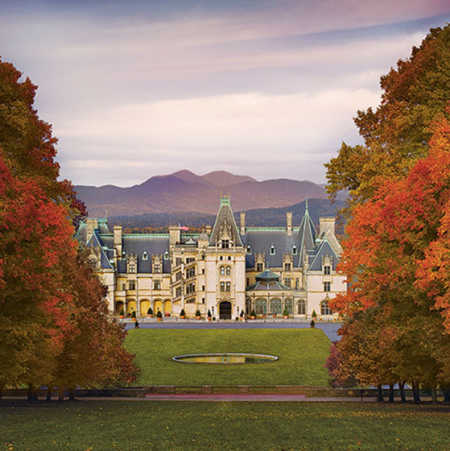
[
  {"x": 145, "y": 255},
  {"x": 222, "y": 270},
  {"x": 324, "y": 308},
  {"x": 261, "y": 307},
  {"x": 294, "y": 250},
  {"x": 272, "y": 250},
  {"x": 301, "y": 307},
  {"x": 288, "y": 305},
  {"x": 275, "y": 306},
  {"x": 228, "y": 270}
]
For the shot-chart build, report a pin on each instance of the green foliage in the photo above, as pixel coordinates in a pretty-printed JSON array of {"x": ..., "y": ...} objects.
[
  {"x": 150, "y": 311},
  {"x": 300, "y": 363}
]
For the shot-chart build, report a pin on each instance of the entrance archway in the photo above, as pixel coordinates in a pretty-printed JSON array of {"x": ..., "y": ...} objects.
[{"x": 225, "y": 310}]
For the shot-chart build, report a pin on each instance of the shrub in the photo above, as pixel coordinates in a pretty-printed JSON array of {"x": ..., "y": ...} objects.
[
  {"x": 197, "y": 313},
  {"x": 182, "y": 313},
  {"x": 253, "y": 313},
  {"x": 209, "y": 313},
  {"x": 312, "y": 323},
  {"x": 285, "y": 312},
  {"x": 242, "y": 313},
  {"x": 159, "y": 314},
  {"x": 314, "y": 314},
  {"x": 133, "y": 314},
  {"x": 150, "y": 311}
]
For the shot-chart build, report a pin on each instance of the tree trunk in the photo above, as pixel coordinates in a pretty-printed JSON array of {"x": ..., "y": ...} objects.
[
  {"x": 72, "y": 394},
  {"x": 31, "y": 394},
  {"x": 416, "y": 394},
  {"x": 446, "y": 392},
  {"x": 434, "y": 395},
  {"x": 49, "y": 394},
  {"x": 380, "y": 393},
  {"x": 61, "y": 394},
  {"x": 401, "y": 386},
  {"x": 391, "y": 392}
]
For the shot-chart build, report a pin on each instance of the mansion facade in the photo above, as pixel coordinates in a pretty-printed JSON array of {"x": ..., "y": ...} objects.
[{"x": 226, "y": 270}]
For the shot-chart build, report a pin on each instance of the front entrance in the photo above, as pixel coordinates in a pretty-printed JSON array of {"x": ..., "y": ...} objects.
[{"x": 225, "y": 310}]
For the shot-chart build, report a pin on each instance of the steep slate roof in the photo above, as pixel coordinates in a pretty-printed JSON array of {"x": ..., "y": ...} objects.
[
  {"x": 307, "y": 236},
  {"x": 225, "y": 215},
  {"x": 261, "y": 241},
  {"x": 95, "y": 242},
  {"x": 324, "y": 250},
  {"x": 137, "y": 244}
]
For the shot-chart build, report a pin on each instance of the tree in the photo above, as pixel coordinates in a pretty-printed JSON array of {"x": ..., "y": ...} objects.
[
  {"x": 397, "y": 133},
  {"x": 396, "y": 255}
]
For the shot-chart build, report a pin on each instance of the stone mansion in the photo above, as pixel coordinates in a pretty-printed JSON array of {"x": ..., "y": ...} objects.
[{"x": 225, "y": 270}]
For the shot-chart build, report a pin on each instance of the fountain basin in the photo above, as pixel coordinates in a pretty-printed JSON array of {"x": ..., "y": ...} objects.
[{"x": 227, "y": 358}]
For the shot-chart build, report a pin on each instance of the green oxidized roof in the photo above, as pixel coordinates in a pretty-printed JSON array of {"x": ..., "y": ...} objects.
[{"x": 267, "y": 275}]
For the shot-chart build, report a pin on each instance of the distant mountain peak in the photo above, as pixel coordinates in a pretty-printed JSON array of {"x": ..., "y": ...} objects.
[{"x": 224, "y": 178}]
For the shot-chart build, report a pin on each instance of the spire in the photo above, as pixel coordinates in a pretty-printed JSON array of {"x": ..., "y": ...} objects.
[
  {"x": 225, "y": 226},
  {"x": 307, "y": 234},
  {"x": 306, "y": 207}
]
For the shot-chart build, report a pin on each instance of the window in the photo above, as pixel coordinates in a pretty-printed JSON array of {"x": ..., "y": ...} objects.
[
  {"x": 222, "y": 270},
  {"x": 145, "y": 255},
  {"x": 190, "y": 272},
  {"x": 166, "y": 255},
  {"x": 287, "y": 282},
  {"x": 294, "y": 250},
  {"x": 203, "y": 300},
  {"x": 156, "y": 284},
  {"x": 288, "y": 305},
  {"x": 325, "y": 309},
  {"x": 190, "y": 288},
  {"x": 131, "y": 267},
  {"x": 221, "y": 257},
  {"x": 297, "y": 284},
  {"x": 131, "y": 284},
  {"x": 178, "y": 275},
  {"x": 190, "y": 301},
  {"x": 178, "y": 261},
  {"x": 260, "y": 307},
  {"x": 203, "y": 270},
  {"x": 259, "y": 267},
  {"x": 190, "y": 260},
  {"x": 287, "y": 266},
  {"x": 228, "y": 286},
  {"x": 225, "y": 244},
  {"x": 124, "y": 286},
  {"x": 327, "y": 270},
  {"x": 203, "y": 287},
  {"x": 275, "y": 306},
  {"x": 157, "y": 268},
  {"x": 272, "y": 250},
  {"x": 222, "y": 286},
  {"x": 249, "y": 249},
  {"x": 228, "y": 270},
  {"x": 327, "y": 286},
  {"x": 178, "y": 292},
  {"x": 301, "y": 307},
  {"x": 248, "y": 281},
  {"x": 229, "y": 257}
]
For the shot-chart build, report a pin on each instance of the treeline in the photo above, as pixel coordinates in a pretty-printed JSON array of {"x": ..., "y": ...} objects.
[
  {"x": 257, "y": 217},
  {"x": 397, "y": 250},
  {"x": 54, "y": 324}
]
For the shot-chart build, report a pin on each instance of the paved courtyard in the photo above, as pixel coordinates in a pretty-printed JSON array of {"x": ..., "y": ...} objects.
[{"x": 330, "y": 329}]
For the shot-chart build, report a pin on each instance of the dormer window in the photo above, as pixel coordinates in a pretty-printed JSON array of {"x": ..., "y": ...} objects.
[
  {"x": 166, "y": 255},
  {"x": 272, "y": 250},
  {"x": 327, "y": 270},
  {"x": 249, "y": 249},
  {"x": 145, "y": 255},
  {"x": 225, "y": 244},
  {"x": 294, "y": 250}
]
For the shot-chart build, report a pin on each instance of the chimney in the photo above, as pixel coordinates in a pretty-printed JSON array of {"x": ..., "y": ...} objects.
[
  {"x": 242, "y": 222},
  {"x": 327, "y": 225},
  {"x": 118, "y": 240},
  {"x": 91, "y": 225},
  {"x": 289, "y": 222},
  {"x": 174, "y": 235}
]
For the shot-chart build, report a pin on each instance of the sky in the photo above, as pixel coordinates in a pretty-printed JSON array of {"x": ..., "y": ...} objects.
[{"x": 261, "y": 88}]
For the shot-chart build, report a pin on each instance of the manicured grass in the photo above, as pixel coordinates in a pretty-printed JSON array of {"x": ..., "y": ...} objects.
[
  {"x": 302, "y": 354},
  {"x": 136, "y": 425}
]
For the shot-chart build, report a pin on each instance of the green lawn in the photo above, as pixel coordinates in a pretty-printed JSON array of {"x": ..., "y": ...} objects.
[
  {"x": 142, "y": 425},
  {"x": 302, "y": 354}
]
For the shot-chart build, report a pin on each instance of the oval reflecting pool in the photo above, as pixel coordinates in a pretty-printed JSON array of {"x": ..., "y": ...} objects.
[{"x": 228, "y": 358}]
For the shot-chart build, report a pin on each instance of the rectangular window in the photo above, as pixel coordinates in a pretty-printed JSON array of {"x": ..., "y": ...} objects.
[
  {"x": 259, "y": 267},
  {"x": 203, "y": 271},
  {"x": 248, "y": 281},
  {"x": 225, "y": 244},
  {"x": 178, "y": 261},
  {"x": 287, "y": 282},
  {"x": 124, "y": 286},
  {"x": 178, "y": 275},
  {"x": 203, "y": 287},
  {"x": 327, "y": 286},
  {"x": 190, "y": 301},
  {"x": 157, "y": 285},
  {"x": 287, "y": 266},
  {"x": 178, "y": 292},
  {"x": 203, "y": 300},
  {"x": 327, "y": 270},
  {"x": 131, "y": 284},
  {"x": 157, "y": 268},
  {"x": 222, "y": 286},
  {"x": 228, "y": 286},
  {"x": 297, "y": 284},
  {"x": 190, "y": 288}
]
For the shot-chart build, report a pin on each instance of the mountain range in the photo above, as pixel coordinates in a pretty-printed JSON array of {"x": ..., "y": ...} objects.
[{"x": 185, "y": 191}]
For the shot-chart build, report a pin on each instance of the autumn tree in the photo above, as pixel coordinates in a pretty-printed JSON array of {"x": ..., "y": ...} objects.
[
  {"x": 396, "y": 255},
  {"x": 397, "y": 132},
  {"x": 54, "y": 326}
]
